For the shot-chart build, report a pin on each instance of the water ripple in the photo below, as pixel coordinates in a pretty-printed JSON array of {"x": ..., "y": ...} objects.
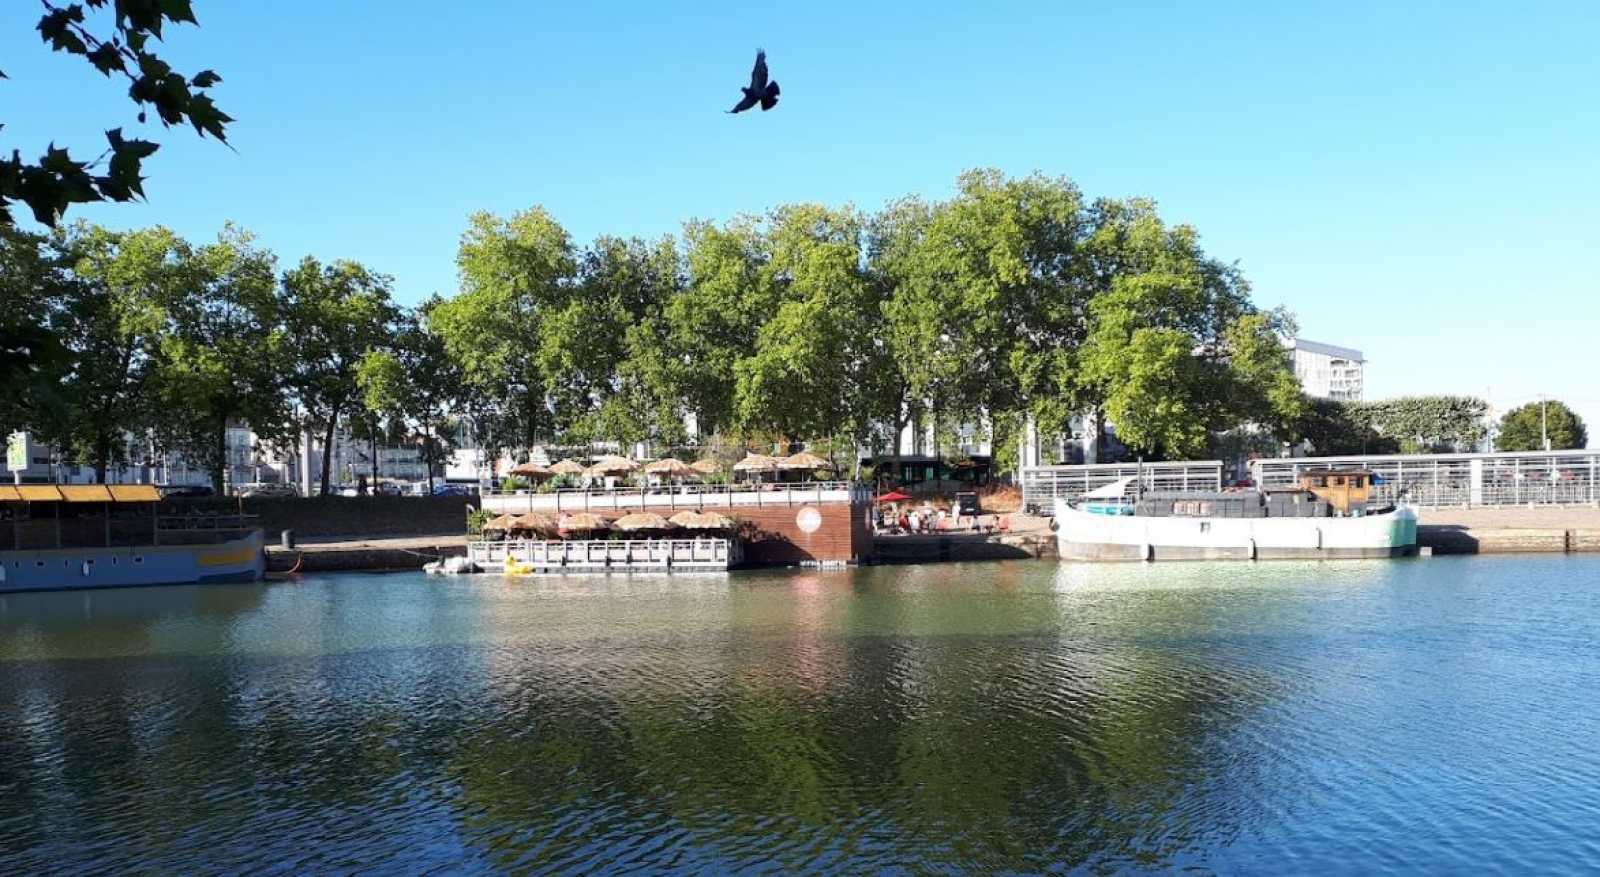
[{"x": 1012, "y": 718}]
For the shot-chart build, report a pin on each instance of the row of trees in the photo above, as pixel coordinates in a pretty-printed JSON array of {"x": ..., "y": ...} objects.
[
  {"x": 1429, "y": 424},
  {"x": 145, "y": 333},
  {"x": 1016, "y": 298}
]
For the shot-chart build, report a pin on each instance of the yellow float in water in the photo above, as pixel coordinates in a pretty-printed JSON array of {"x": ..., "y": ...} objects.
[{"x": 515, "y": 567}]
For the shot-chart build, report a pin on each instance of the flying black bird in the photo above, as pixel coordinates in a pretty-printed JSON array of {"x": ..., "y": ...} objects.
[{"x": 760, "y": 89}]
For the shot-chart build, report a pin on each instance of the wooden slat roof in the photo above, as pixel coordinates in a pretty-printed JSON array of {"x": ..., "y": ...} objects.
[{"x": 85, "y": 493}]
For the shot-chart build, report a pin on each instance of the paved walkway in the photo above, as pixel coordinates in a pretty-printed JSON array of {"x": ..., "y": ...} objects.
[{"x": 1522, "y": 517}]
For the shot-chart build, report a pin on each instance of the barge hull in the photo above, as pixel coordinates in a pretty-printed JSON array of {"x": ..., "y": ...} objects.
[
  {"x": 1090, "y": 537},
  {"x": 71, "y": 569}
]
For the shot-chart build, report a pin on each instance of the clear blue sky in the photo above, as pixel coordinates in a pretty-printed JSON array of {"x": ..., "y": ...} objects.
[{"x": 1417, "y": 180}]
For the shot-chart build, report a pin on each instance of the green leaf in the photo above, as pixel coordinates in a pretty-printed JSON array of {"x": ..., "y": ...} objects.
[
  {"x": 55, "y": 28},
  {"x": 206, "y": 79},
  {"x": 178, "y": 11},
  {"x": 107, "y": 59},
  {"x": 207, "y": 119}
]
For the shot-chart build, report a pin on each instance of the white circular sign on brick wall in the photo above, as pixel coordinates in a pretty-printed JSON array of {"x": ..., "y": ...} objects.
[{"x": 809, "y": 520}]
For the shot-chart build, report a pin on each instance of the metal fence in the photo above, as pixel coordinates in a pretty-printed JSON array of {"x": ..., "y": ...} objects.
[
  {"x": 677, "y": 496},
  {"x": 1541, "y": 478},
  {"x": 1043, "y": 485}
]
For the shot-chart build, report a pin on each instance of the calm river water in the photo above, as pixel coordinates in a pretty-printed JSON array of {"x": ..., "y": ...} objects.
[{"x": 1434, "y": 716}]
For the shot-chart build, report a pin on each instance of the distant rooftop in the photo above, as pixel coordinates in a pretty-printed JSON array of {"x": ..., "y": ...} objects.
[{"x": 1326, "y": 349}]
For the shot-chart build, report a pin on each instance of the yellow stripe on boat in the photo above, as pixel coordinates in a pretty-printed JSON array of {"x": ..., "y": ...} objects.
[{"x": 228, "y": 558}]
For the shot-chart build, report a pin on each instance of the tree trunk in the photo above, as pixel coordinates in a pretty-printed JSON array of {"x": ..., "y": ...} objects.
[
  {"x": 102, "y": 458},
  {"x": 222, "y": 457},
  {"x": 428, "y": 451},
  {"x": 374, "y": 445},
  {"x": 327, "y": 449}
]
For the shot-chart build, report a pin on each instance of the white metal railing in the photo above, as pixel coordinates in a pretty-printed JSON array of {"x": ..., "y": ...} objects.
[
  {"x": 677, "y": 496},
  {"x": 1540, "y": 478},
  {"x": 599, "y": 553},
  {"x": 1043, "y": 485}
]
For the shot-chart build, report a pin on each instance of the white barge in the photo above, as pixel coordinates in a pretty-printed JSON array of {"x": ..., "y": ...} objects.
[{"x": 1325, "y": 518}]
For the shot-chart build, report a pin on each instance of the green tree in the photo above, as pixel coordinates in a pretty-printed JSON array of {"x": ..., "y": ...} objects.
[
  {"x": 222, "y": 360},
  {"x": 514, "y": 274},
  {"x": 1176, "y": 352},
  {"x": 988, "y": 306},
  {"x": 117, "y": 42},
  {"x": 815, "y": 369},
  {"x": 115, "y": 321},
  {"x": 1337, "y": 428},
  {"x": 1525, "y": 428},
  {"x": 416, "y": 382},
  {"x": 33, "y": 360},
  {"x": 331, "y": 317},
  {"x": 714, "y": 321},
  {"x": 585, "y": 345},
  {"x": 1427, "y": 424}
]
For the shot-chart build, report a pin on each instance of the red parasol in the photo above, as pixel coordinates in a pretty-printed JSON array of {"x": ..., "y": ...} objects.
[{"x": 894, "y": 496}]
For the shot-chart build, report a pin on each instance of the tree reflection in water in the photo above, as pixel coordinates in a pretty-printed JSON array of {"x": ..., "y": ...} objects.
[{"x": 967, "y": 716}]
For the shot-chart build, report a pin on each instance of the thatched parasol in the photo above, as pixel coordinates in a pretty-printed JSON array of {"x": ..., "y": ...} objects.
[
  {"x": 672, "y": 468},
  {"x": 610, "y": 466},
  {"x": 706, "y": 467},
  {"x": 804, "y": 460},
  {"x": 501, "y": 523},
  {"x": 567, "y": 467},
  {"x": 689, "y": 519},
  {"x": 584, "y": 522},
  {"x": 642, "y": 521},
  {"x": 756, "y": 463},
  {"x": 531, "y": 470},
  {"x": 534, "y": 522}
]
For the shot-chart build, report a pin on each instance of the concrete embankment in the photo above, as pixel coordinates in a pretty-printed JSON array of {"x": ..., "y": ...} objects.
[
  {"x": 1546, "y": 530},
  {"x": 371, "y": 555},
  {"x": 1445, "y": 531}
]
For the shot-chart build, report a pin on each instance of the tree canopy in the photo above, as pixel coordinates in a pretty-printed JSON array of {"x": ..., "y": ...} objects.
[
  {"x": 1524, "y": 428},
  {"x": 1014, "y": 299}
]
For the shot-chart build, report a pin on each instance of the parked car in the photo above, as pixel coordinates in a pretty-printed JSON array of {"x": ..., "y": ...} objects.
[
  {"x": 184, "y": 491},
  {"x": 453, "y": 490}
]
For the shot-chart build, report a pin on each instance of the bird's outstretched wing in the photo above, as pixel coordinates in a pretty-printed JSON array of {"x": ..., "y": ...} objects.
[
  {"x": 758, "y": 76},
  {"x": 749, "y": 101}
]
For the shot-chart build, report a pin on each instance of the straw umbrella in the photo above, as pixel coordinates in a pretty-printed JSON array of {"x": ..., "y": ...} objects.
[
  {"x": 501, "y": 523},
  {"x": 532, "y": 470},
  {"x": 672, "y": 467},
  {"x": 689, "y": 519},
  {"x": 567, "y": 467},
  {"x": 804, "y": 460},
  {"x": 642, "y": 521},
  {"x": 533, "y": 522},
  {"x": 756, "y": 463},
  {"x": 584, "y": 522},
  {"x": 610, "y": 466},
  {"x": 706, "y": 467}
]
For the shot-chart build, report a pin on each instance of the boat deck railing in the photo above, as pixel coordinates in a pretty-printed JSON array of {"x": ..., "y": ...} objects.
[{"x": 599, "y": 554}]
